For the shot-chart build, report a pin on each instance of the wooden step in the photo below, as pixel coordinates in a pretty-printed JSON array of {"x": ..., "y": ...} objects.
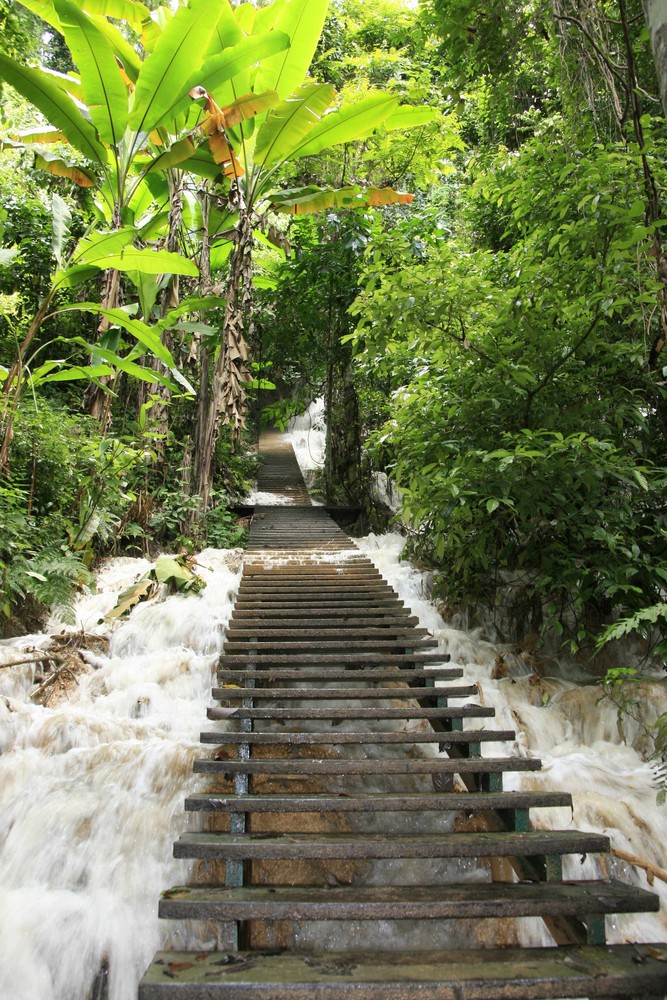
[
  {"x": 352, "y": 618},
  {"x": 442, "y": 902},
  {"x": 349, "y": 713},
  {"x": 340, "y": 693},
  {"x": 488, "y": 974},
  {"x": 338, "y": 645},
  {"x": 413, "y": 636},
  {"x": 382, "y": 659},
  {"x": 293, "y": 846},
  {"x": 370, "y": 674},
  {"x": 347, "y": 766},
  {"x": 367, "y": 738},
  {"x": 378, "y": 802}
]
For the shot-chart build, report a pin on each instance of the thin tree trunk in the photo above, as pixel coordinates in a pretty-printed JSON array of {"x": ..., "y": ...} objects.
[
  {"x": 655, "y": 12},
  {"x": 227, "y": 402},
  {"x": 95, "y": 400},
  {"x": 170, "y": 299}
]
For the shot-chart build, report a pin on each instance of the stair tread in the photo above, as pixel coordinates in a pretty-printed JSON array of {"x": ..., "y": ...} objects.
[
  {"x": 388, "y": 845},
  {"x": 345, "y": 673},
  {"x": 452, "y": 901},
  {"x": 350, "y": 644},
  {"x": 377, "y": 801},
  {"x": 368, "y": 737},
  {"x": 488, "y": 974},
  {"x": 335, "y": 693},
  {"x": 407, "y": 712},
  {"x": 345, "y": 766},
  {"x": 381, "y": 658}
]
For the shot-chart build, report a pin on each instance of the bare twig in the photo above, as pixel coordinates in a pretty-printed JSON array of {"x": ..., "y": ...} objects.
[{"x": 652, "y": 871}]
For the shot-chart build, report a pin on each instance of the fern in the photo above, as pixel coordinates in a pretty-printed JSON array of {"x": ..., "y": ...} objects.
[{"x": 52, "y": 577}]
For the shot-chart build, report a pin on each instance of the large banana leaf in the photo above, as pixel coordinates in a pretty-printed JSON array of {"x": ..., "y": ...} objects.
[
  {"x": 303, "y": 21},
  {"x": 122, "y": 10},
  {"x": 227, "y": 31},
  {"x": 69, "y": 82},
  {"x": 151, "y": 262},
  {"x": 173, "y": 156},
  {"x": 96, "y": 247},
  {"x": 245, "y": 17},
  {"x": 57, "y": 107},
  {"x": 302, "y": 201},
  {"x": 122, "y": 49},
  {"x": 220, "y": 68},
  {"x": 266, "y": 17},
  {"x": 103, "y": 89},
  {"x": 40, "y": 135},
  {"x": 289, "y": 123},
  {"x": 349, "y": 123},
  {"x": 165, "y": 74},
  {"x": 408, "y": 116},
  {"x": 59, "y": 167}
]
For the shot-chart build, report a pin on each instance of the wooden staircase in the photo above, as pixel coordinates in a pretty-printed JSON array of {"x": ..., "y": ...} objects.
[{"x": 317, "y": 811}]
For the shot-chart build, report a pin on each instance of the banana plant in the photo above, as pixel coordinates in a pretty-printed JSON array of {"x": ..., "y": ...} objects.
[
  {"x": 93, "y": 253},
  {"x": 305, "y": 121}
]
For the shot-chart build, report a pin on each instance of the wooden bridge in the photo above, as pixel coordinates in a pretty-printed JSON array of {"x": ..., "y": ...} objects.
[{"x": 334, "y": 812}]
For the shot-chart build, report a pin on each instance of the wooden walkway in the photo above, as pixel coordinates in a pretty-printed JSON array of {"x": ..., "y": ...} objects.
[{"x": 324, "y": 805}]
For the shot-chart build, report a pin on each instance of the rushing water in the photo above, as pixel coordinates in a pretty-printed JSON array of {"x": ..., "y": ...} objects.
[{"x": 92, "y": 787}]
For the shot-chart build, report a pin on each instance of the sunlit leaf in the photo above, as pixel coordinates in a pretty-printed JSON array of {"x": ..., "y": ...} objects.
[
  {"x": 166, "y": 72},
  {"x": 103, "y": 89},
  {"x": 313, "y": 199},
  {"x": 347, "y": 124},
  {"x": 288, "y": 124},
  {"x": 57, "y": 107},
  {"x": 302, "y": 21}
]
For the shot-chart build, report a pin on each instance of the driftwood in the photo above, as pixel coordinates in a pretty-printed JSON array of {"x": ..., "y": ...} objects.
[
  {"x": 30, "y": 658},
  {"x": 652, "y": 871},
  {"x": 66, "y": 668}
]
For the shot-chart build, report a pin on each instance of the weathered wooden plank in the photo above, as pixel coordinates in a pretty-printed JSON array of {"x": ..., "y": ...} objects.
[
  {"x": 333, "y": 658},
  {"x": 377, "y": 802},
  {"x": 366, "y": 737},
  {"x": 370, "y": 674},
  {"x": 352, "y": 712},
  {"x": 287, "y": 846},
  {"x": 340, "y": 693},
  {"x": 429, "y": 765},
  {"x": 491, "y": 974},
  {"x": 442, "y": 902}
]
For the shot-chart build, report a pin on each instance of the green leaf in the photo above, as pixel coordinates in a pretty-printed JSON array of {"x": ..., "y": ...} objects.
[
  {"x": 288, "y": 124},
  {"x": 408, "y": 116},
  {"x": 61, "y": 218},
  {"x": 348, "y": 124},
  {"x": 173, "y": 156},
  {"x": 73, "y": 373},
  {"x": 121, "y": 10},
  {"x": 96, "y": 246},
  {"x": 314, "y": 199},
  {"x": 104, "y": 91},
  {"x": 57, "y": 107},
  {"x": 302, "y": 21},
  {"x": 150, "y": 262},
  {"x": 222, "y": 67},
  {"x": 168, "y": 568},
  {"x": 121, "y": 47},
  {"x": 165, "y": 74}
]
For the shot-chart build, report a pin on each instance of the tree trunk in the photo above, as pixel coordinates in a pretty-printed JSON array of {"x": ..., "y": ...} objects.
[
  {"x": 170, "y": 299},
  {"x": 343, "y": 447},
  {"x": 227, "y": 402},
  {"x": 95, "y": 400},
  {"x": 655, "y": 12}
]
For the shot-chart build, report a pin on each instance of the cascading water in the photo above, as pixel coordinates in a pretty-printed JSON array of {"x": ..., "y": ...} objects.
[{"x": 92, "y": 788}]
